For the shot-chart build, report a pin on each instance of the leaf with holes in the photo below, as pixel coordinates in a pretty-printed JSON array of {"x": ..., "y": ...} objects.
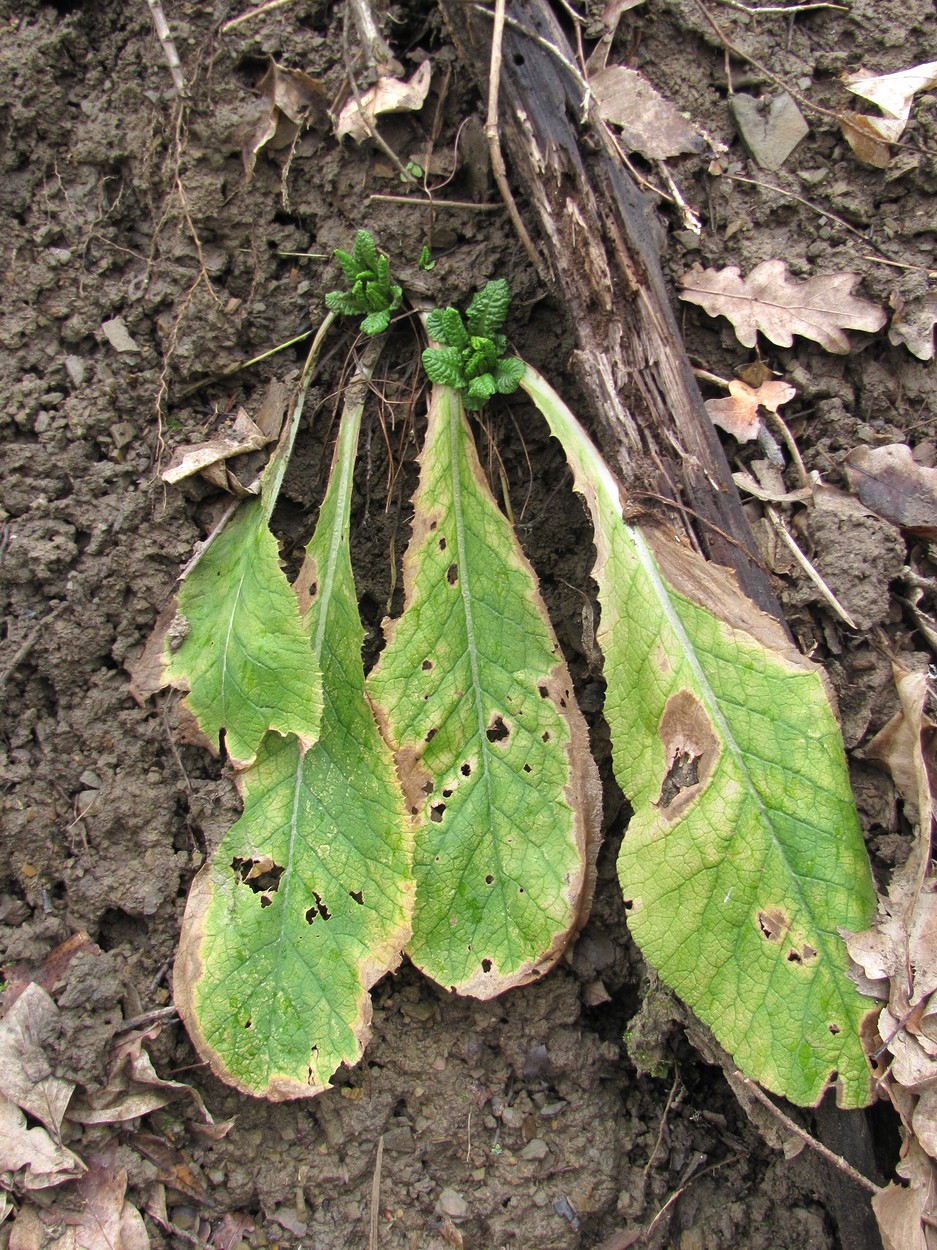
[
  {"x": 744, "y": 859},
  {"x": 491, "y": 749},
  {"x": 308, "y": 899},
  {"x": 244, "y": 657}
]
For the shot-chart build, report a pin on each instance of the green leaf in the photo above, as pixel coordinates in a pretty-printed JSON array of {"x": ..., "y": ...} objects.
[
  {"x": 308, "y": 899},
  {"x": 489, "y": 307},
  {"x": 376, "y": 322},
  {"x": 481, "y": 388},
  {"x": 245, "y": 660},
  {"x": 443, "y": 366},
  {"x": 508, "y": 374},
  {"x": 343, "y": 302},
  {"x": 350, "y": 267},
  {"x": 744, "y": 858},
  {"x": 366, "y": 253},
  {"x": 491, "y": 749}
]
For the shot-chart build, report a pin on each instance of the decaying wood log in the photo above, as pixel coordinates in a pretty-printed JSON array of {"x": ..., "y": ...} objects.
[{"x": 630, "y": 363}]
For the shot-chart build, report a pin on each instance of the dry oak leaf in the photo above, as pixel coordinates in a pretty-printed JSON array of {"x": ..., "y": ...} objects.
[
  {"x": 649, "y": 123},
  {"x": 820, "y": 308},
  {"x": 894, "y": 95},
  {"x": 738, "y": 415},
  {"x": 889, "y": 481}
]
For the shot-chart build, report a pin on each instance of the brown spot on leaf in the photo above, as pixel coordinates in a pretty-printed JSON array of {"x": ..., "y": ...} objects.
[
  {"x": 497, "y": 731},
  {"x": 452, "y": 574},
  {"x": 773, "y": 923},
  {"x": 262, "y": 875},
  {"x": 691, "y": 750}
]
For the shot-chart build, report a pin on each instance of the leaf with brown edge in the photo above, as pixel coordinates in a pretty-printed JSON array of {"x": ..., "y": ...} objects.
[{"x": 492, "y": 751}]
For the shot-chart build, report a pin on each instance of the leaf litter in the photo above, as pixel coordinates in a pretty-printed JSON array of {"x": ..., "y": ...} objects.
[{"x": 821, "y": 308}]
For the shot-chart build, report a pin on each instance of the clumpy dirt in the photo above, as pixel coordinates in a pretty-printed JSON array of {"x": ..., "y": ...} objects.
[{"x": 522, "y": 1121}]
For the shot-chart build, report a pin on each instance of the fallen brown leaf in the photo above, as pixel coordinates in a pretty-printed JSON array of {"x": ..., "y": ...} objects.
[
  {"x": 819, "y": 308},
  {"x": 290, "y": 99},
  {"x": 191, "y": 458},
  {"x": 913, "y": 325},
  {"x": 738, "y": 415},
  {"x": 95, "y": 1216},
  {"x": 894, "y": 95},
  {"x": 388, "y": 95},
  {"x": 25, "y": 1076},
  {"x": 890, "y": 482},
  {"x": 900, "y": 1209},
  {"x": 648, "y": 123},
  {"x": 29, "y": 1158}
]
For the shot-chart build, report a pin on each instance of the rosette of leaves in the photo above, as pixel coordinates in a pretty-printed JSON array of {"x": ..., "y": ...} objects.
[
  {"x": 370, "y": 294},
  {"x": 472, "y": 359}
]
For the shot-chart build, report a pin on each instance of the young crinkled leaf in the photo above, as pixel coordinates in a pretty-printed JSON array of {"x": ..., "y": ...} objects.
[
  {"x": 744, "y": 858},
  {"x": 308, "y": 899},
  {"x": 491, "y": 749}
]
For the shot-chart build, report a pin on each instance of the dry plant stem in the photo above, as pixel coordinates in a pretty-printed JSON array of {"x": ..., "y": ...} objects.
[
  {"x": 28, "y": 643},
  {"x": 164, "y": 36},
  {"x": 240, "y": 366},
  {"x": 780, "y": 8},
  {"x": 822, "y": 212},
  {"x": 741, "y": 55},
  {"x": 376, "y": 49},
  {"x": 252, "y": 13},
  {"x": 148, "y": 1017},
  {"x": 362, "y": 111},
  {"x": 793, "y": 1127},
  {"x": 414, "y": 203},
  {"x": 808, "y": 568},
  {"x": 781, "y": 426},
  {"x": 374, "y": 1231},
  {"x": 494, "y": 142},
  {"x": 662, "y": 1125}
]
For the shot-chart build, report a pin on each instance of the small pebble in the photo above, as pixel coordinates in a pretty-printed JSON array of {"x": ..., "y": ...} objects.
[{"x": 452, "y": 1204}]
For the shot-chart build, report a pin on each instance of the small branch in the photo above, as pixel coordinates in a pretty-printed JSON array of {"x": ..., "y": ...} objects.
[
  {"x": 374, "y": 1233},
  {"x": 494, "y": 142},
  {"x": 808, "y": 568},
  {"x": 363, "y": 112},
  {"x": 376, "y": 48},
  {"x": 793, "y": 1127},
  {"x": 413, "y": 202},
  {"x": 164, "y": 35},
  {"x": 781, "y": 8},
  {"x": 252, "y": 13}
]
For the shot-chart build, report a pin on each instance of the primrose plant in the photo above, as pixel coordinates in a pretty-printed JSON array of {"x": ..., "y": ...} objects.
[
  {"x": 447, "y": 806},
  {"x": 370, "y": 294},
  {"x": 472, "y": 359}
]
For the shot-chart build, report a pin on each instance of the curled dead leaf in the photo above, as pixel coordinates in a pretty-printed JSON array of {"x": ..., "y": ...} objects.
[
  {"x": 290, "y": 99},
  {"x": 738, "y": 415},
  {"x": 388, "y": 95},
  {"x": 894, "y": 95}
]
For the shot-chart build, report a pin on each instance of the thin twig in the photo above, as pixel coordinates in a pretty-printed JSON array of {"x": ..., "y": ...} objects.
[
  {"x": 164, "y": 35},
  {"x": 28, "y": 643},
  {"x": 148, "y": 1017},
  {"x": 793, "y": 1127},
  {"x": 781, "y": 8},
  {"x": 494, "y": 141},
  {"x": 781, "y": 426},
  {"x": 662, "y": 1125},
  {"x": 363, "y": 112},
  {"x": 808, "y": 568},
  {"x": 432, "y": 203},
  {"x": 535, "y": 38},
  {"x": 252, "y": 13},
  {"x": 376, "y": 1196}
]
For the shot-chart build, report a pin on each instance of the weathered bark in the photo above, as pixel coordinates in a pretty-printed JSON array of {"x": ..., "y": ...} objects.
[{"x": 630, "y": 363}]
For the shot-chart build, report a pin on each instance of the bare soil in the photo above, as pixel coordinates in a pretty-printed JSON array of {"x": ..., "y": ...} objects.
[{"x": 524, "y": 1121}]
